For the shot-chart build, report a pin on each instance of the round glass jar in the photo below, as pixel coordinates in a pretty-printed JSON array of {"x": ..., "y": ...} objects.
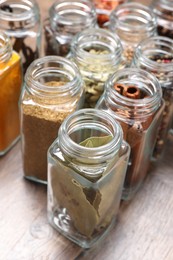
[
  {"x": 155, "y": 55},
  {"x": 20, "y": 19},
  {"x": 10, "y": 85},
  {"x": 67, "y": 18},
  {"x": 104, "y": 8},
  {"x": 86, "y": 170},
  {"x": 132, "y": 22},
  {"x": 134, "y": 98},
  {"x": 53, "y": 89},
  {"x": 97, "y": 53},
  {"x": 163, "y": 10}
]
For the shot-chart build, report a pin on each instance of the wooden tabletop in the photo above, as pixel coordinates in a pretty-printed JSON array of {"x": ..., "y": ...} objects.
[{"x": 144, "y": 229}]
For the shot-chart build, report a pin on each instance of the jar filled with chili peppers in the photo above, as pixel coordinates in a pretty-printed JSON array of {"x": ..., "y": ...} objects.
[
  {"x": 132, "y": 22},
  {"x": 134, "y": 98},
  {"x": 97, "y": 53},
  {"x": 86, "y": 170},
  {"x": 20, "y": 19},
  {"x": 163, "y": 10},
  {"x": 155, "y": 55},
  {"x": 10, "y": 86},
  {"x": 66, "y": 19},
  {"x": 53, "y": 89},
  {"x": 104, "y": 8}
]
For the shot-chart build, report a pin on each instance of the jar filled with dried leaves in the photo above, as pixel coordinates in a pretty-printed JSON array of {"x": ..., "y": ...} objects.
[
  {"x": 132, "y": 22},
  {"x": 86, "y": 170},
  {"x": 20, "y": 19},
  {"x": 98, "y": 54},
  {"x": 163, "y": 10},
  {"x": 53, "y": 89},
  {"x": 134, "y": 98},
  {"x": 156, "y": 56},
  {"x": 10, "y": 86},
  {"x": 66, "y": 19}
]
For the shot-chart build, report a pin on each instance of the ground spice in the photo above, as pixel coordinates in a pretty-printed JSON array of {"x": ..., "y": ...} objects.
[
  {"x": 10, "y": 86},
  {"x": 39, "y": 129}
]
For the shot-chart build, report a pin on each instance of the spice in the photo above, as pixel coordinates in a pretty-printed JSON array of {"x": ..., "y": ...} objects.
[
  {"x": 21, "y": 39},
  {"x": 85, "y": 179},
  {"x": 10, "y": 86}
]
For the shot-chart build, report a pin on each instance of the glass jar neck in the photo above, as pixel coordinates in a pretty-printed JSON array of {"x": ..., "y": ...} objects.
[
  {"x": 133, "y": 22},
  {"x": 19, "y": 14},
  {"x": 97, "y": 45},
  {"x": 163, "y": 9},
  {"x": 156, "y": 55},
  {"x": 86, "y": 123},
  {"x": 5, "y": 48},
  {"x": 52, "y": 77},
  {"x": 133, "y": 94},
  {"x": 70, "y": 17}
]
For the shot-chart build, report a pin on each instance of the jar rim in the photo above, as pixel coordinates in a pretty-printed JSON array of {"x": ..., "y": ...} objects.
[
  {"x": 5, "y": 47},
  {"x": 30, "y": 10},
  {"x": 70, "y": 124},
  {"x": 141, "y": 106},
  {"x": 59, "y": 63}
]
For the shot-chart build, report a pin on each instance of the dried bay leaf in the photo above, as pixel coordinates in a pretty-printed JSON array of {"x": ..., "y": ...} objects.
[{"x": 96, "y": 141}]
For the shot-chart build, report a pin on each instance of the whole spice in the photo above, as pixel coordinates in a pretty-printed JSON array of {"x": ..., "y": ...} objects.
[
  {"x": 82, "y": 176},
  {"x": 10, "y": 86}
]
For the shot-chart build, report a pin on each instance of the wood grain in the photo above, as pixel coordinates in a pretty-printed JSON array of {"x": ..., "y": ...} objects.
[{"x": 144, "y": 229}]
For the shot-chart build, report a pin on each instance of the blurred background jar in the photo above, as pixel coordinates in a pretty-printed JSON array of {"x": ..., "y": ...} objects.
[
  {"x": 155, "y": 55},
  {"x": 20, "y": 20},
  {"x": 163, "y": 10},
  {"x": 66, "y": 19},
  {"x": 53, "y": 89},
  {"x": 134, "y": 98},
  {"x": 97, "y": 53},
  {"x": 104, "y": 8},
  {"x": 132, "y": 22},
  {"x": 10, "y": 85},
  {"x": 86, "y": 170}
]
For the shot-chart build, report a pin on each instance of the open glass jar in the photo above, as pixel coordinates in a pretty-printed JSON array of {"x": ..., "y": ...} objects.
[
  {"x": 155, "y": 55},
  {"x": 132, "y": 22},
  {"x": 163, "y": 10},
  {"x": 20, "y": 19},
  {"x": 10, "y": 87},
  {"x": 67, "y": 18},
  {"x": 134, "y": 98},
  {"x": 97, "y": 53},
  {"x": 86, "y": 170},
  {"x": 53, "y": 89}
]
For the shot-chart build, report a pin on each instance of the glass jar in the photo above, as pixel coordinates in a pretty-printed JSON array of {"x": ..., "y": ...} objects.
[
  {"x": 163, "y": 10},
  {"x": 67, "y": 18},
  {"x": 132, "y": 22},
  {"x": 53, "y": 89},
  {"x": 104, "y": 8},
  {"x": 20, "y": 20},
  {"x": 86, "y": 170},
  {"x": 155, "y": 55},
  {"x": 134, "y": 98},
  {"x": 97, "y": 53},
  {"x": 10, "y": 85}
]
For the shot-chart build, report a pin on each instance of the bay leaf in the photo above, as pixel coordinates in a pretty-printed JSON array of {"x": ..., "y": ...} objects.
[{"x": 96, "y": 141}]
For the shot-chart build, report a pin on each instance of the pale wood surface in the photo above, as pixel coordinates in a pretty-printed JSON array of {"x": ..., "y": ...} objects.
[{"x": 144, "y": 229}]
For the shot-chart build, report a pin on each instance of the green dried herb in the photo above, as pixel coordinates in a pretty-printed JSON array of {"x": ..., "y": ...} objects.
[{"x": 96, "y": 141}]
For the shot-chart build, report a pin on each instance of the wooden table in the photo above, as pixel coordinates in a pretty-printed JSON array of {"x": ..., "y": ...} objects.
[{"x": 144, "y": 230}]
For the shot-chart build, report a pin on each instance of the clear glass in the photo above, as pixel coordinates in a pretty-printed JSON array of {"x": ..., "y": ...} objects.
[
  {"x": 97, "y": 53},
  {"x": 66, "y": 19},
  {"x": 20, "y": 19},
  {"x": 155, "y": 55},
  {"x": 132, "y": 22},
  {"x": 163, "y": 10},
  {"x": 104, "y": 8},
  {"x": 85, "y": 183},
  {"x": 134, "y": 98},
  {"x": 53, "y": 89},
  {"x": 10, "y": 86}
]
